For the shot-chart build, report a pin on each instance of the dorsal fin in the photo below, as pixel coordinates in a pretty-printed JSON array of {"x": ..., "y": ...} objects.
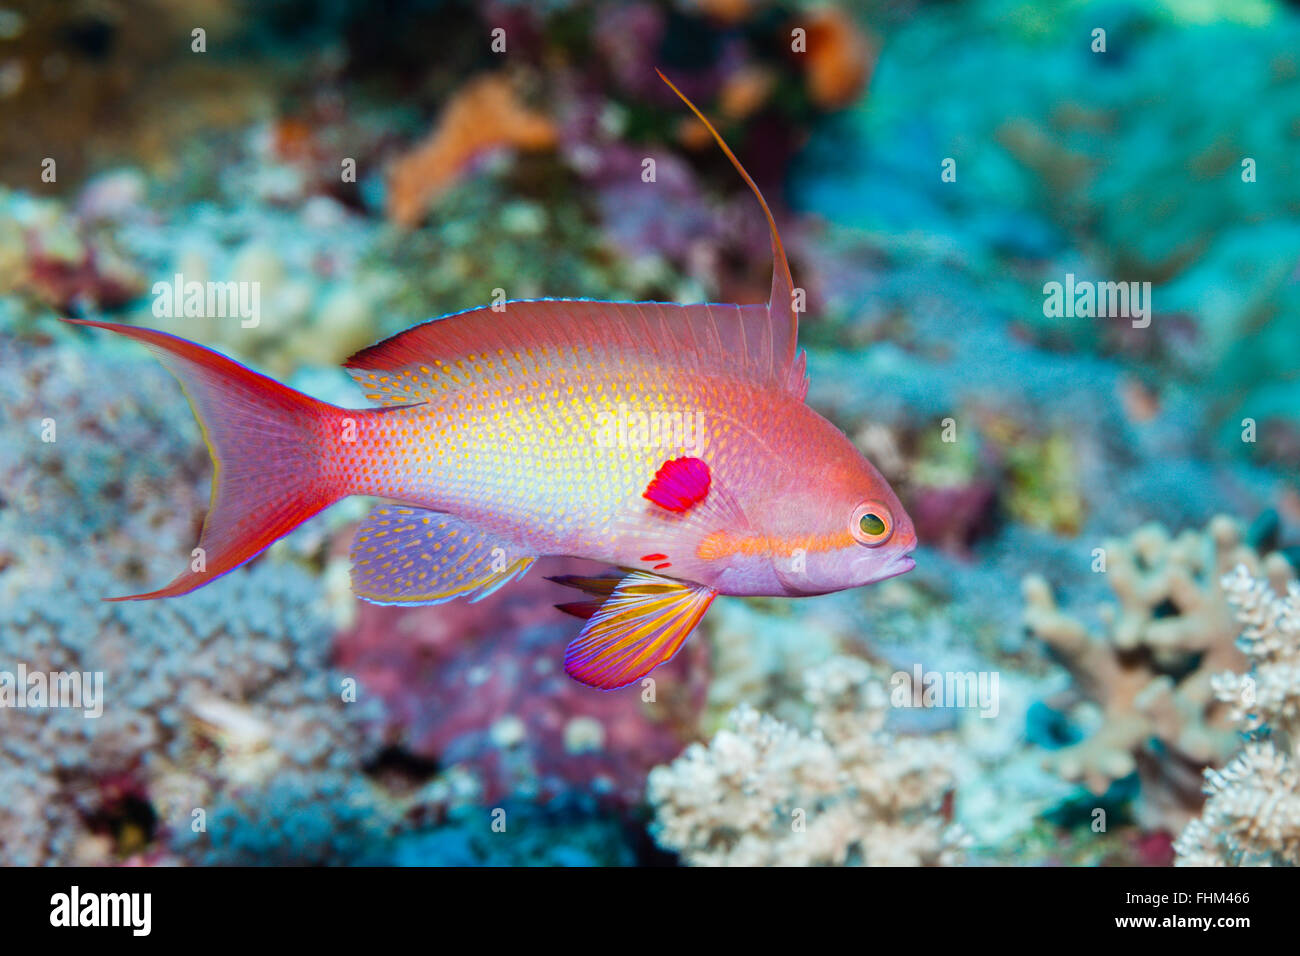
[
  {"x": 782, "y": 317},
  {"x": 545, "y": 336}
]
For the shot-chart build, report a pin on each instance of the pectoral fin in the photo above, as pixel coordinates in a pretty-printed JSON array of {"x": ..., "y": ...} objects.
[{"x": 640, "y": 625}]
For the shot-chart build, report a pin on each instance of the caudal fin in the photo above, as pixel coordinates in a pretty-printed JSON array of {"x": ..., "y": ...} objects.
[{"x": 268, "y": 444}]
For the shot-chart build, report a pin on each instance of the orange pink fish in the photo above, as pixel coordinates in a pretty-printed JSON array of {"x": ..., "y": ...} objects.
[{"x": 670, "y": 442}]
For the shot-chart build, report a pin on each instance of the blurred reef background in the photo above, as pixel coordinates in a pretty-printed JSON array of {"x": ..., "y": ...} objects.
[{"x": 522, "y": 170}]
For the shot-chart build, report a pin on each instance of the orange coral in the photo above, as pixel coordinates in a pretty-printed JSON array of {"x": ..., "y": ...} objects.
[
  {"x": 743, "y": 93},
  {"x": 291, "y": 139},
  {"x": 485, "y": 114},
  {"x": 726, "y": 11},
  {"x": 839, "y": 59}
]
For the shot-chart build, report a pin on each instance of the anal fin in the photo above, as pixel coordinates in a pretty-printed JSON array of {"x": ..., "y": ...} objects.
[{"x": 403, "y": 555}]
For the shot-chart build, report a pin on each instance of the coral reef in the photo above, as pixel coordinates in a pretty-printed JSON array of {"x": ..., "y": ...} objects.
[
  {"x": 1252, "y": 811},
  {"x": 220, "y": 701},
  {"x": 480, "y": 689},
  {"x": 1147, "y": 678},
  {"x": 62, "y": 261},
  {"x": 568, "y": 832},
  {"x": 846, "y": 792},
  {"x": 1016, "y": 440},
  {"x": 1050, "y": 167}
]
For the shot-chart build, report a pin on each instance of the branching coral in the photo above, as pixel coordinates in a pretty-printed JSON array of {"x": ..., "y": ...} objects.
[
  {"x": 1252, "y": 814},
  {"x": 479, "y": 688},
  {"x": 1149, "y": 675},
  {"x": 848, "y": 792},
  {"x": 219, "y": 703}
]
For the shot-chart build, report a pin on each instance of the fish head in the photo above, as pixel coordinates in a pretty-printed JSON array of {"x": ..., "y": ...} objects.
[{"x": 837, "y": 523}]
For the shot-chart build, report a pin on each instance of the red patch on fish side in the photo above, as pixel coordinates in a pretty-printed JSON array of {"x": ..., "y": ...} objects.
[{"x": 679, "y": 484}]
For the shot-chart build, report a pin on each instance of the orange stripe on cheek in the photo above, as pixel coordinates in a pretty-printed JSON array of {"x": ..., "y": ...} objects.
[{"x": 723, "y": 544}]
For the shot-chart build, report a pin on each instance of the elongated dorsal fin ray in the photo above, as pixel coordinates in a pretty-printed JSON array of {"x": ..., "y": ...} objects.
[{"x": 780, "y": 305}]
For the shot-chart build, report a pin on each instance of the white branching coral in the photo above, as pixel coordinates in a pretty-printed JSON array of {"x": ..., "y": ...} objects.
[
  {"x": 848, "y": 792},
  {"x": 1252, "y": 814},
  {"x": 1147, "y": 678}
]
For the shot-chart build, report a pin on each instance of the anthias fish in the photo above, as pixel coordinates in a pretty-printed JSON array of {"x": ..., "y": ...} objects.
[{"x": 671, "y": 442}]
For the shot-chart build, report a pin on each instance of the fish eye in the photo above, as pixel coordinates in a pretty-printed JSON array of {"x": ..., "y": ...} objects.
[{"x": 872, "y": 524}]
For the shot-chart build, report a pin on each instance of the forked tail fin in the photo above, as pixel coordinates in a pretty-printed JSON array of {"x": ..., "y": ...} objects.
[{"x": 268, "y": 445}]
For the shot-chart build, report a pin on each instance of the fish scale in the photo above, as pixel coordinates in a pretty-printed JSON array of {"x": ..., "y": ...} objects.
[{"x": 536, "y": 465}]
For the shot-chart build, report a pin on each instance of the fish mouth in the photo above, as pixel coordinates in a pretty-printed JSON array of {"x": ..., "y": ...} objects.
[{"x": 900, "y": 565}]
